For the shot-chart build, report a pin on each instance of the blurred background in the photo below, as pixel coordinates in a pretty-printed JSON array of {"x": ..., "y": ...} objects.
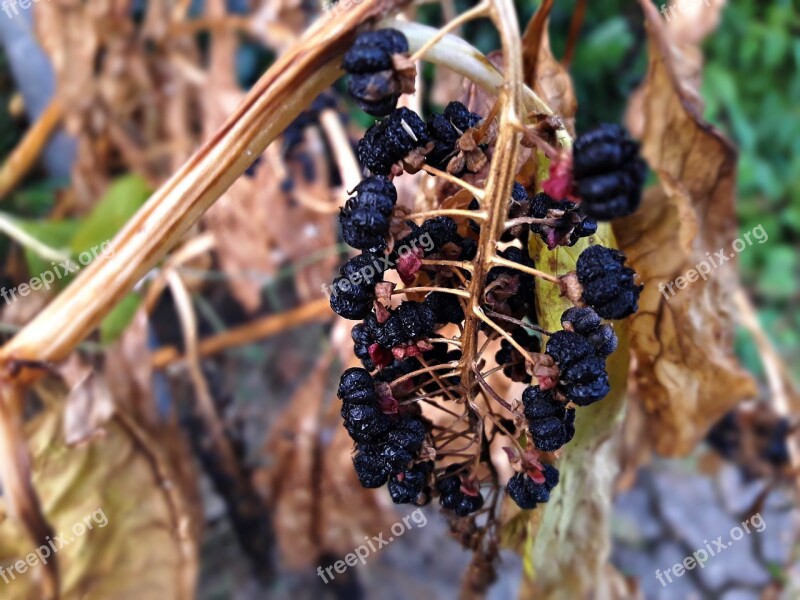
[{"x": 140, "y": 86}]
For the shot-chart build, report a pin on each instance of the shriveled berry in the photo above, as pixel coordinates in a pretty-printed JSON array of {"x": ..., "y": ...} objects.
[
  {"x": 356, "y": 386},
  {"x": 567, "y": 348},
  {"x": 608, "y": 285},
  {"x": 410, "y": 321},
  {"x": 373, "y": 82},
  {"x": 409, "y": 434},
  {"x": 462, "y": 504},
  {"x": 608, "y": 172},
  {"x": 446, "y": 307},
  {"x": 453, "y": 498},
  {"x": 362, "y": 340},
  {"x": 365, "y": 217},
  {"x": 408, "y": 485},
  {"x": 541, "y": 404},
  {"x": 551, "y": 433},
  {"x": 527, "y": 493},
  {"x": 569, "y": 223},
  {"x": 391, "y": 140},
  {"x": 445, "y": 130},
  {"x": 371, "y": 470},
  {"x": 586, "y": 322},
  {"x": 551, "y": 424},
  {"x": 348, "y": 308},
  {"x": 395, "y": 457}
]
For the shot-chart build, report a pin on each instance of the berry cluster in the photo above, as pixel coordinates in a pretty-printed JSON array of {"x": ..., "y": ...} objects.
[
  {"x": 411, "y": 352},
  {"x": 387, "y": 438}
]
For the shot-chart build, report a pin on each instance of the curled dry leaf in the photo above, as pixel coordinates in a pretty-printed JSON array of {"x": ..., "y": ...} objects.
[
  {"x": 686, "y": 372},
  {"x": 127, "y": 487},
  {"x": 543, "y": 73}
]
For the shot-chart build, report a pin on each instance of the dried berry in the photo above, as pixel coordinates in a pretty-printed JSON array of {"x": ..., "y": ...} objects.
[
  {"x": 366, "y": 217},
  {"x": 391, "y": 140},
  {"x": 374, "y": 82},
  {"x": 568, "y": 223},
  {"x": 608, "y": 172},
  {"x": 353, "y": 292},
  {"x": 551, "y": 424},
  {"x": 444, "y": 131},
  {"x": 527, "y": 493},
  {"x": 608, "y": 285},
  {"x": 409, "y": 485},
  {"x": 356, "y": 386},
  {"x": 452, "y": 497},
  {"x": 409, "y": 322},
  {"x": 583, "y": 378},
  {"x": 371, "y": 470},
  {"x": 445, "y": 307},
  {"x": 584, "y": 321},
  {"x": 362, "y": 340}
]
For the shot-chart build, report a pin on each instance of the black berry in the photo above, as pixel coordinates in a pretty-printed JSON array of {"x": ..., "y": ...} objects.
[
  {"x": 391, "y": 140},
  {"x": 608, "y": 172},
  {"x": 608, "y": 285}
]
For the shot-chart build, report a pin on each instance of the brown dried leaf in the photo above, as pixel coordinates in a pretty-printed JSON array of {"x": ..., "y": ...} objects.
[
  {"x": 126, "y": 486},
  {"x": 686, "y": 371},
  {"x": 546, "y": 75}
]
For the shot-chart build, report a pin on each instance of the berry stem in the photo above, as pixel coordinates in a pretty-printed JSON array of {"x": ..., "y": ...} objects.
[
  {"x": 477, "y": 192},
  {"x": 475, "y": 215},
  {"x": 530, "y": 221},
  {"x": 411, "y": 290},
  {"x": 458, "y": 264},
  {"x": 499, "y": 260},
  {"x": 530, "y": 326}
]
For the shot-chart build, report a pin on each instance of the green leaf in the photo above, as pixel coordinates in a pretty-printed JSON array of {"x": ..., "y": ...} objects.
[
  {"x": 124, "y": 197},
  {"x": 119, "y": 318}
]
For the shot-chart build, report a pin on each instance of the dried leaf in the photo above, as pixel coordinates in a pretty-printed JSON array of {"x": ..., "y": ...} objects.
[
  {"x": 686, "y": 371},
  {"x": 546, "y": 75},
  {"x": 125, "y": 486}
]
